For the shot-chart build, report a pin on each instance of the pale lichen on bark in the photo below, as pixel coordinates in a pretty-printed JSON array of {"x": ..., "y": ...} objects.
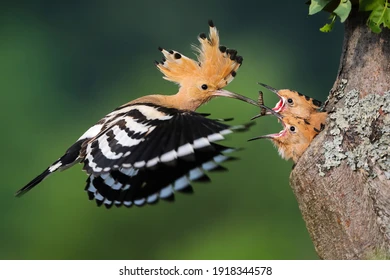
[
  {"x": 367, "y": 123},
  {"x": 345, "y": 199}
]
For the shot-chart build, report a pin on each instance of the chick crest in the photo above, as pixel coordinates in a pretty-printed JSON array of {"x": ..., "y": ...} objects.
[{"x": 200, "y": 80}]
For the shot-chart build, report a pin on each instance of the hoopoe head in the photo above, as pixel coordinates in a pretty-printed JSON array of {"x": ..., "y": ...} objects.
[
  {"x": 204, "y": 79},
  {"x": 293, "y": 103},
  {"x": 295, "y": 137}
]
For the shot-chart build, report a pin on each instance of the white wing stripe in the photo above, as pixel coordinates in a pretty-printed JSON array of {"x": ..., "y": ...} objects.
[
  {"x": 139, "y": 201},
  {"x": 131, "y": 172},
  {"x": 220, "y": 158},
  {"x": 98, "y": 196},
  {"x": 195, "y": 173},
  {"x": 201, "y": 142},
  {"x": 136, "y": 126},
  {"x": 151, "y": 113},
  {"x": 166, "y": 192},
  {"x": 181, "y": 183},
  {"x": 210, "y": 165},
  {"x": 127, "y": 203},
  {"x": 152, "y": 162},
  {"x": 169, "y": 156},
  {"x": 225, "y": 131},
  {"x": 185, "y": 150},
  {"x": 105, "y": 148},
  {"x": 91, "y": 132},
  {"x": 116, "y": 186},
  {"x": 152, "y": 198},
  {"x": 215, "y": 137}
]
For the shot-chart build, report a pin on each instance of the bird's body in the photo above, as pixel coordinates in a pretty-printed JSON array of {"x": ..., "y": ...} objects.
[{"x": 155, "y": 145}]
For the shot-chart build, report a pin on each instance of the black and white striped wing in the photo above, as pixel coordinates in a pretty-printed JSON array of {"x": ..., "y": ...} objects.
[
  {"x": 131, "y": 186},
  {"x": 148, "y": 152}
]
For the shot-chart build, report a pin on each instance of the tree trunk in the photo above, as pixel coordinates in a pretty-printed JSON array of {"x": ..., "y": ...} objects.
[{"x": 342, "y": 181}]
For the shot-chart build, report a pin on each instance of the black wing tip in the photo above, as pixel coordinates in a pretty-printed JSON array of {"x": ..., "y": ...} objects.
[{"x": 243, "y": 127}]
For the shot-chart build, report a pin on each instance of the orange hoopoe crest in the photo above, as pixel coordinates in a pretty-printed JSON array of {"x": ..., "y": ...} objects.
[
  {"x": 204, "y": 79},
  {"x": 216, "y": 66},
  {"x": 156, "y": 145}
]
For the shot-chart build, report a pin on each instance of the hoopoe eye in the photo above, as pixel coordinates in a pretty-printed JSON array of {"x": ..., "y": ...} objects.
[
  {"x": 290, "y": 101},
  {"x": 292, "y": 128},
  {"x": 204, "y": 87}
]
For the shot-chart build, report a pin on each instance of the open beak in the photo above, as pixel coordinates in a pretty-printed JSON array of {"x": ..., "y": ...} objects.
[
  {"x": 278, "y": 107},
  {"x": 271, "y": 136},
  {"x": 274, "y": 135},
  {"x": 225, "y": 93}
]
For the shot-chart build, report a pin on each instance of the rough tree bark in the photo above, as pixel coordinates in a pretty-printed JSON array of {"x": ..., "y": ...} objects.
[{"x": 342, "y": 181}]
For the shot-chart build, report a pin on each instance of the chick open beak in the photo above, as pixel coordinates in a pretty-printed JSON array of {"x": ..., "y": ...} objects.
[
  {"x": 281, "y": 101},
  {"x": 274, "y": 135},
  {"x": 225, "y": 93}
]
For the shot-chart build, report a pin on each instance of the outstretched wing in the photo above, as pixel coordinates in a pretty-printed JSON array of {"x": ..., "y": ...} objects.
[
  {"x": 130, "y": 186},
  {"x": 148, "y": 134},
  {"x": 150, "y": 152}
]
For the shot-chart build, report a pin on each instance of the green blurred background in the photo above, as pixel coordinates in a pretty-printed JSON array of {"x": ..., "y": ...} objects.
[{"x": 64, "y": 65}]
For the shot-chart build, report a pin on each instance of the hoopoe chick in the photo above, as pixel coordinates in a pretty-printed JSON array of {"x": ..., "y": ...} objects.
[
  {"x": 156, "y": 145},
  {"x": 293, "y": 103},
  {"x": 295, "y": 137}
]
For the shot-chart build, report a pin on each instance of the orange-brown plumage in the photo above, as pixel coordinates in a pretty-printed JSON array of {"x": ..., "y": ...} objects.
[
  {"x": 293, "y": 103},
  {"x": 297, "y": 134},
  {"x": 304, "y": 114},
  {"x": 292, "y": 144}
]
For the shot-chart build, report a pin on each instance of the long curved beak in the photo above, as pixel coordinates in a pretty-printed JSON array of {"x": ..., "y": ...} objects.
[
  {"x": 269, "y": 88},
  {"x": 268, "y": 136},
  {"x": 225, "y": 93}
]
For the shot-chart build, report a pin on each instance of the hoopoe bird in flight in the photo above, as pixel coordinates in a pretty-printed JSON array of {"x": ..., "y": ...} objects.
[
  {"x": 156, "y": 145},
  {"x": 302, "y": 119}
]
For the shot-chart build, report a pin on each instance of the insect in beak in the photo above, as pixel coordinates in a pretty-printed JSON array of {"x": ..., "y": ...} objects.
[
  {"x": 278, "y": 107},
  {"x": 276, "y": 114},
  {"x": 269, "y": 111}
]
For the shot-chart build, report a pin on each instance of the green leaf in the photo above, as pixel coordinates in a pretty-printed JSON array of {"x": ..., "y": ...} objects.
[
  {"x": 317, "y": 6},
  {"x": 380, "y": 15},
  {"x": 386, "y": 17},
  {"x": 374, "y": 27},
  {"x": 370, "y": 5},
  {"x": 343, "y": 9},
  {"x": 329, "y": 26}
]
